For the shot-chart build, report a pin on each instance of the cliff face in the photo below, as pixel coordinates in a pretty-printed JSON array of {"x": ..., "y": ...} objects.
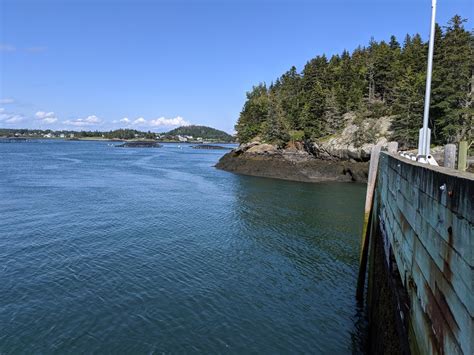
[
  {"x": 355, "y": 141},
  {"x": 337, "y": 158}
]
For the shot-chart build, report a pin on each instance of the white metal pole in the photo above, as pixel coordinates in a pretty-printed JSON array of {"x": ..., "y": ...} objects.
[{"x": 425, "y": 133}]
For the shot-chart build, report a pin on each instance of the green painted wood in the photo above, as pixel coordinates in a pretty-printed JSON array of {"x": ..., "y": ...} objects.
[{"x": 462, "y": 158}]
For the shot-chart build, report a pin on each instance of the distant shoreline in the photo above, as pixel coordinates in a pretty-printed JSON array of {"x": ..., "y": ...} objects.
[{"x": 102, "y": 139}]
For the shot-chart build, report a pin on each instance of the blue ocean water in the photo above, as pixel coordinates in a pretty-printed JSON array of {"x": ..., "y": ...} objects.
[{"x": 120, "y": 250}]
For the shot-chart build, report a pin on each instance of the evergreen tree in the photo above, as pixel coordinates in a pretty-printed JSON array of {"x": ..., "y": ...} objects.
[
  {"x": 370, "y": 63},
  {"x": 290, "y": 96},
  {"x": 274, "y": 130},
  {"x": 382, "y": 62},
  {"x": 414, "y": 54},
  {"x": 437, "y": 79},
  {"x": 359, "y": 77},
  {"x": 345, "y": 88},
  {"x": 315, "y": 71},
  {"x": 452, "y": 93},
  {"x": 332, "y": 118},
  {"x": 395, "y": 69},
  {"x": 408, "y": 108},
  {"x": 253, "y": 115},
  {"x": 313, "y": 112}
]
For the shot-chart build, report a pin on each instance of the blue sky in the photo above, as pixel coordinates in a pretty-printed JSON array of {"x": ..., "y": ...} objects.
[{"x": 152, "y": 65}]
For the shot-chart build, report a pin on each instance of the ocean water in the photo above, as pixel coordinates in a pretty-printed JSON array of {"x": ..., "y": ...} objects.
[{"x": 123, "y": 250}]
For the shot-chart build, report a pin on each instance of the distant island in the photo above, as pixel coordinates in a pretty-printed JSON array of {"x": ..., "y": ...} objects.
[
  {"x": 191, "y": 134},
  {"x": 203, "y": 132}
]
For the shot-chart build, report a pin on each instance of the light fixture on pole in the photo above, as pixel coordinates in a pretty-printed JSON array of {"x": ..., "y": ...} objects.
[{"x": 424, "y": 139}]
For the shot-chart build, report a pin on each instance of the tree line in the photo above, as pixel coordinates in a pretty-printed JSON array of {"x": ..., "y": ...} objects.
[
  {"x": 204, "y": 132},
  {"x": 381, "y": 79},
  {"x": 115, "y": 134}
]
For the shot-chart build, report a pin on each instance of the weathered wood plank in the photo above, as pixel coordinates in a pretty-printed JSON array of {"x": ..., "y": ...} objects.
[
  {"x": 428, "y": 217},
  {"x": 450, "y": 156},
  {"x": 452, "y": 229},
  {"x": 369, "y": 200}
]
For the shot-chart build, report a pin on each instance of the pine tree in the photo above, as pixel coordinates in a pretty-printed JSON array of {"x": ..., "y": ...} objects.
[
  {"x": 414, "y": 54},
  {"x": 345, "y": 89},
  {"x": 408, "y": 108},
  {"x": 315, "y": 71},
  {"x": 332, "y": 118},
  {"x": 382, "y": 61},
  {"x": 395, "y": 69},
  {"x": 437, "y": 79},
  {"x": 359, "y": 77},
  {"x": 452, "y": 106},
  {"x": 290, "y": 96},
  {"x": 274, "y": 130},
  {"x": 370, "y": 63},
  {"x": 253, "y": 115},
  {"x": 313, "y": 112}
]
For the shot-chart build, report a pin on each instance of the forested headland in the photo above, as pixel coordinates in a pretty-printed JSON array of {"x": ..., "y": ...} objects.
[
  {"x": 204, "y": 132},
  {"x": 382, "y": 79}
]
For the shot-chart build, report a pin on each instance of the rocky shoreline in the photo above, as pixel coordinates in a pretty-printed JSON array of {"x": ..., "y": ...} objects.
[
  {"x": 294, "y": 163},
  {"x": 343, "y": 156}
]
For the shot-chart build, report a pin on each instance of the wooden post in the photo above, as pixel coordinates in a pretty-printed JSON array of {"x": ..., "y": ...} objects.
[
  {"x": 462, "y": 157},
  {"x": 369, "y": 200},
  {"x": 392, "y": 147},
  {"x": 450, "y": 156}
]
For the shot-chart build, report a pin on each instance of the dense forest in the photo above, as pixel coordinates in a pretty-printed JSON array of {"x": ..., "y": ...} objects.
[{"x": 381, "y": 79}]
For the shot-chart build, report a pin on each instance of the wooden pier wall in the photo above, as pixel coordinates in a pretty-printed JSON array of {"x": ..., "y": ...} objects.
[{"x": 421, "y": 259}]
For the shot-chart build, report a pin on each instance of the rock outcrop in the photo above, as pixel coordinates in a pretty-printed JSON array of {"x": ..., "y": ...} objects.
[
  {"x": 340, "y": 157},
  {"x": 140, "y": 144},
  {"x": 267, "y": 160},
  {"x": 346, "y": 145}
]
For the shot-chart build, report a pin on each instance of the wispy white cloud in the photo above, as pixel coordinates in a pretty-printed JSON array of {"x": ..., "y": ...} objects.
[
  {"x": 46, "y": 117},
  {"x": 15, "y": 119},
  {"x": 36, "y": 49},
  {"x": 162, "y": 121},
  {"x": 157, "y": 122},
  {"x": 9, "y": 117},
  {"x": 50, "y": 118},
  {"x": 6, "y": 101},
  {"x": 7, "y": 48},
  {"x": 82, "y": 122},
  {"x": 4, "y": 47},
  {"x": 139, "y": 122}
]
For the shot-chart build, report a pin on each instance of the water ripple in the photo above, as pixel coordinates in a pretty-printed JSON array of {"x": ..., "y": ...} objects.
[{"x": 155, "y": 251}]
